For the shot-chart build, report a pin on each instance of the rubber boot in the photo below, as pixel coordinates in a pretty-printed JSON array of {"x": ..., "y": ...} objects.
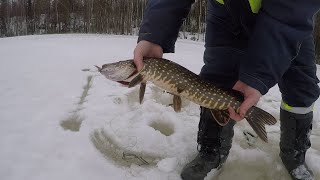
[
  {"x": 294, "y": 143},
  {"x": 214, "y": 143}
]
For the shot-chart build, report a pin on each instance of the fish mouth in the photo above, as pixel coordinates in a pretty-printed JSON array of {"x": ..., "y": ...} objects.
[
  {"x": 115, "y": 75},
  {"x": 119, "y": 74},
  {"x": 123, "y": 83},
  {"x": 120, "y": 78}
]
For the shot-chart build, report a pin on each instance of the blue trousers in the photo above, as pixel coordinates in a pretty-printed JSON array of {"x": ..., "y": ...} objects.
[{"x": 225, "y": 46}]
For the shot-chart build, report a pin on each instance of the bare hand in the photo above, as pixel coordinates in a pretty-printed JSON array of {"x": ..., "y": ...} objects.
[
  {"x": 146, "y": 49},
  {"x": 251, "y": 98}
]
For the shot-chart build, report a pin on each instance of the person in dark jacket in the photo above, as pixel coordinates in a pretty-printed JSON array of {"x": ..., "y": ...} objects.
[{"x": 250, "y": 46}]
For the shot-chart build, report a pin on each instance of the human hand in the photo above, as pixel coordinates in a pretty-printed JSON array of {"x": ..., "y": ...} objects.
[
  {"x": 251, "y": 98},
  {"x": 146, "y": 49}
]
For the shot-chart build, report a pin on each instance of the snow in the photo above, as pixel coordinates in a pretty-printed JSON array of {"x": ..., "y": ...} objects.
[
  {"x": 61, "y": 119},
  {"x": 302, "y": 173}
]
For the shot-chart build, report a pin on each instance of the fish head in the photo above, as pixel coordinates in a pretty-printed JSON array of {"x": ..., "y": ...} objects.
[{"x": 121, "y": 71}]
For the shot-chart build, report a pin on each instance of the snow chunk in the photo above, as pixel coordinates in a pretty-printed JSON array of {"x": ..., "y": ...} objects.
[
  {"x": 301, "y": 172},
  {"x": 168, "y": 164}
]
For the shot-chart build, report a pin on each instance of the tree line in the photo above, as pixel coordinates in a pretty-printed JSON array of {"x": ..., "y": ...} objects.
[{"x": 26, "y": 17}]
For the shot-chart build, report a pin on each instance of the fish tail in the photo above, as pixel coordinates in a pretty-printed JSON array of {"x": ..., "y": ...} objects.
[{"x": 258, "y": 118}]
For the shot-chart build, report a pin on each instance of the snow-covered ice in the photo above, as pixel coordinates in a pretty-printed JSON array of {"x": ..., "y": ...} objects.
[{"x": 61, "y": 119}]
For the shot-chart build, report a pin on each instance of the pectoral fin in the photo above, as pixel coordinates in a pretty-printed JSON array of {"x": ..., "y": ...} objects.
[
  {"x": 135, "y": 81},
  {"x": 177, "y": 103},
  {"x": 142, "y": 91},
  {"x": 180, "y": 89},
  {"x": 222, "y": 117}
]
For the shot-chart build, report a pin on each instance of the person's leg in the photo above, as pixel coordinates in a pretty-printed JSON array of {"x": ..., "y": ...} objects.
[
  {"x": 221, "y": 58},
  {"x": 299, "y": 92},
  {"x": 214, "y": 143}
]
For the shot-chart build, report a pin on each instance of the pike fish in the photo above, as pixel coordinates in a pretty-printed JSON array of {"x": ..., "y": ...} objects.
[{"x": 182, "y": 82}]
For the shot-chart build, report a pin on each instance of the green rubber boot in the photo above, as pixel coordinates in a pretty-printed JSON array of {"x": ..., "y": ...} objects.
[
  {"x": 294, "y": 143},
  {"x": 214, "y": 142}
]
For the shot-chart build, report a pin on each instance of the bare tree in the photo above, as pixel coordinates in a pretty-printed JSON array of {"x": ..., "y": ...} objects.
[
  {"x": 3, "y": 17},
  {"x": 29, "y": 17}
]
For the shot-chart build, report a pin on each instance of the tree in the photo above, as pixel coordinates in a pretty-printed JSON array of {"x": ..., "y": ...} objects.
[
  {"x": 30, "y": 20},
  {"x": 3, "y": 17}
]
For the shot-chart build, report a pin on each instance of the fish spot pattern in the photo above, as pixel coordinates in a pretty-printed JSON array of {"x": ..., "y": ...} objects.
[{"x": 171, "y": 76}]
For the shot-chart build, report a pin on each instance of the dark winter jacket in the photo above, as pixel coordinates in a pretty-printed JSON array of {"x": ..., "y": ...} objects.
[{"x": 281, "y": 26}]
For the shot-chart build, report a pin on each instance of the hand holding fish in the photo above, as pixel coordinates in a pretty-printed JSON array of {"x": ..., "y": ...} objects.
[
  {"x": 251, "y": 98},
  {"x": 251, "y": 95},
  {"x": 146, "y": 49}
]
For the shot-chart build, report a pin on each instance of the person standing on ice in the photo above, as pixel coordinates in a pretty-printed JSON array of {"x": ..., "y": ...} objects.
[{"x": 249, "y": 46}]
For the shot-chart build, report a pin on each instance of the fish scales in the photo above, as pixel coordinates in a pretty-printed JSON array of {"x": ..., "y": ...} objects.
[{"x": 194, "y": 88}]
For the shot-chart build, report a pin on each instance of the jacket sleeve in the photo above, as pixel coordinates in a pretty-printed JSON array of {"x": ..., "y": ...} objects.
[
  {"x": 162, "y": 21},
  {"x": 280, "y": 28}
]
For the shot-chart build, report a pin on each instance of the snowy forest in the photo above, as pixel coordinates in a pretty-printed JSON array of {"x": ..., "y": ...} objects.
[
  {"x": 24, "y": 17},
  {"x": 122, "y": 17}
]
